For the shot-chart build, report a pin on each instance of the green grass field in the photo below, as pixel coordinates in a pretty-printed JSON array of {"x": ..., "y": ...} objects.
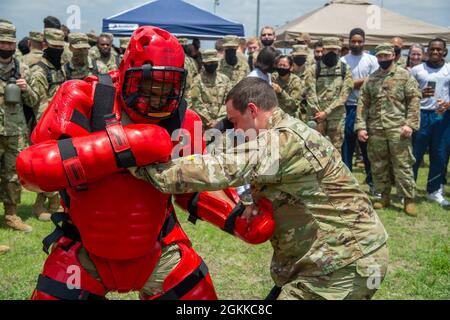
[{"x": 419, "y": 255}]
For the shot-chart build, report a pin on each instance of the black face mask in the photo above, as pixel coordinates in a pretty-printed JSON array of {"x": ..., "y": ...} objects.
[
  {"x": 211, "y": 67},
  {"x": 397, "y": 50},
  {"x": 299, "y": 60},
  {"x": 356, "y": 51},
  {"x": 283, "y": 71},
  {"x": 267, "y": 43},
  {"x": 385, "y": 64},
  {"x": 330, "y": 59},
  {"x": 54, "y": 56},
  {"x": 6, "y": 54},
  {"x": 230, "y": 57}
]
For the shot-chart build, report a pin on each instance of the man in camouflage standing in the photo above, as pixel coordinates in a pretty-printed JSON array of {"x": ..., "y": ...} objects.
[
  {"x": 191, "y": 67},
  {"x": 328, "y": 84},
  {"x": 104, "y": 59},
  {"x": 80, "y": 65},
  {"x": 209, "y": 90},
  {"x": 35, "y": 44},
  {"x": 12, "y": 124},
  {"x": 300, "y": 56},
  {"x": 388, "y": 113},
  {"x": 328, "y": 241},
  {"x": 47, "y": 76},
  {"x": 234, "y": 68}
]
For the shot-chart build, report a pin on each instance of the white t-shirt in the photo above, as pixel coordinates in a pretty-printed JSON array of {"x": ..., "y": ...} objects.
[
  {"x": 423, "y": 74},
  {"x": 362, "y": 66},
  {"x": 256, "y": 73}
]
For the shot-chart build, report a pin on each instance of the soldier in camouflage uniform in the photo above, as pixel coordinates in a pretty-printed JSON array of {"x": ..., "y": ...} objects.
[
  {"x": 304, "y": 39},
  {"x": 124, "y": 42},
  {"x": 300, "y": 56},
  {"x": 209, "y": 90},
  {"x": 67, "y": 54},
  {"x": 191, "y": 67},
  {"x": 13, "y": 125},
  {"x": 35, "y": 54},
  {"x": 400, "y": 60},
  {"x": 234, "y": 68},
  {"x": 287, "y": 86},
  {"x": 328, "y": 241},
  {"x": 328, "y": 84},
  {"x": 80, "y": 65},
  {"x": 387, "y": 114},
  {"x": 47, "y": 76},
  {"x": 104, "y": 59}
]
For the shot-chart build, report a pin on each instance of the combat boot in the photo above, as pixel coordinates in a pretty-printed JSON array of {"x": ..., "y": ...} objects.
[
  {"x": 3, "y": 249},
  {"x": 13, "y": 220},
  {"x": 39, "y": 208},
  {"x": 383, "y": 203},
  {"x": 410, "y": 207}
]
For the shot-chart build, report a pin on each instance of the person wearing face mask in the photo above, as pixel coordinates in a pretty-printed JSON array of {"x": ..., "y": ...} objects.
[
  {"x": 15, "y": 91},
  {"x": 287, "y": 86},
  {"x": 191, "y": 67},
  {"x": 434, "y": 81},
  {"x": 387, "y": 116},
  {"x": 104, "y": 59},
  {"x": 329, "y": 82},
  {"x": 305, "y": 39},
  {"x": 234, "y": 68},
  {"x": 208, "y": 91},
  {"x": 399, "y": 60},
  {"x": 80, "y": 65},
  {"x": 301, "y": 60},
  {"x": 47, "y": 77},
  {"x": 35, "y": 44},
  {"x": 362, "y": 65}
]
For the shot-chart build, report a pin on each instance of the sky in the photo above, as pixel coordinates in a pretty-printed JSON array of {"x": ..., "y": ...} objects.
[{"x": 28, "y": 15}]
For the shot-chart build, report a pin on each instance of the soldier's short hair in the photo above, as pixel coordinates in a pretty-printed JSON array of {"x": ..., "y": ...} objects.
[
  {"x": 109, "y": 36},
  {"x": 52, "y": 22},
  {"x": 318, "y": 44},
  {"x": 219, "y": 45},
  {"x": 267, "y": 27},
  {"x": 252, "y": 90}
]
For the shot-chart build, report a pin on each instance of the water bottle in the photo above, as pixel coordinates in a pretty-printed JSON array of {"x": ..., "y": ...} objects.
[{"x": 13, "y": 94}]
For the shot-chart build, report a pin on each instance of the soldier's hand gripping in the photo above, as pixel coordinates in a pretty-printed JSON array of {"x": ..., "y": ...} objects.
[
  {"x": 363, "y": 136},
  {"x": 22, "y": 83},
  {"x": 406, "y": 132}
]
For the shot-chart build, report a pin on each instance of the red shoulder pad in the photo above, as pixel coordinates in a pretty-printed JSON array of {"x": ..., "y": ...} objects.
[{"x": 67, "y": 114}]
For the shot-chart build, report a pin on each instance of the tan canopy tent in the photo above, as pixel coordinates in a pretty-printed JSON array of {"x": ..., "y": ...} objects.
[{"x": 338, "y": 17}]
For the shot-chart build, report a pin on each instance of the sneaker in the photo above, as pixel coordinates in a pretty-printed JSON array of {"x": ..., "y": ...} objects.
[
  {"x": 373, "y": 193},
  {"x": 439, "y": 198}
]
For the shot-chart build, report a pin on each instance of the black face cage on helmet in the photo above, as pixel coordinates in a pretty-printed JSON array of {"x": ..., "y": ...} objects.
[{"x": 139, "y": 82}]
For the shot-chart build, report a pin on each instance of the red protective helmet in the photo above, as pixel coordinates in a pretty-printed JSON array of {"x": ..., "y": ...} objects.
[{"x": 153, "y": 75}]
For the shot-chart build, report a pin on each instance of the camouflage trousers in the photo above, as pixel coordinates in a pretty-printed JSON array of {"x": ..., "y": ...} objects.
[
  {"x": 334, "y": 131},
  {"x": 169, "y": 259},
  {"x": 10, "y": 188},
  {"x": 392, "y": 160},
  {"x": 356, "y": 281}
]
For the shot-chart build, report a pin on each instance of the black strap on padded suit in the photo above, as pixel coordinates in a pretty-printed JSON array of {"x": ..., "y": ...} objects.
[
  {"x": 103, "y": 102},
  {"x": 61, "y": 291},
  {"x": 79, "y": 119},
  {"x": 187, "y": 284},
  {"x": 231, "y": 220},
  {"x": 176, "y": 120},
  {"x": 125, "y": 158},
  {"x": 67, "y": 151},
  {"x": 192, "y": 208},
  {"x": 63, "y": 228}
]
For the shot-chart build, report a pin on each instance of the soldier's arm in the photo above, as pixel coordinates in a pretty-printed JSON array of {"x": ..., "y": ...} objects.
[
  {"x": 30, "y": 97},
  {"x": 197, "y": 102},
  {"x": 346, "y": 89},
  {"x": 362, "y": 108},
  {"x": 412, "y": 97},
  {"x": 312, "y": 102},
  {"x": 251, "y": 162},
  {"x": 291, "y": 101},
  {"x": 39, "y": 85}
]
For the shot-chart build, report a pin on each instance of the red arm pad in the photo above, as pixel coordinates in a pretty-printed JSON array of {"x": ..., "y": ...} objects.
[
  {"x": 55, "y": 165},
  {"x": 226, "y": 214}
]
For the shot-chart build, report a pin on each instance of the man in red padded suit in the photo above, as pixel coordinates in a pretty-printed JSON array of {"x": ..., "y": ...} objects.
[{"x": 119, "y": 233}]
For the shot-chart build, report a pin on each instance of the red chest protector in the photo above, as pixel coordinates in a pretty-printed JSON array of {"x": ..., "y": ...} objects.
[{"x": 119, "y": 218}]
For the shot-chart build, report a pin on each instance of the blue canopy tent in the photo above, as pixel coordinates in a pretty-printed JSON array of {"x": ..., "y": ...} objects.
[{"x": 175, "y": 16}]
